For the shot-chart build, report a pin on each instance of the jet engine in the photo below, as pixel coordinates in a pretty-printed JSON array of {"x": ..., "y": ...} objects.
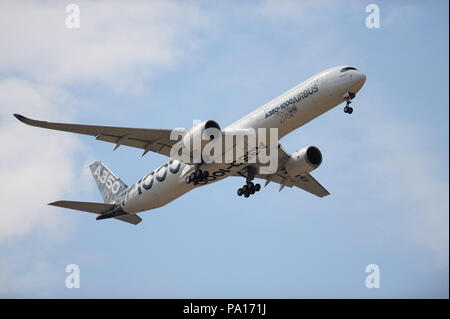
[
  {"x": 201, "y": 134},
  {"x": 190, "y": 146},
  {"x": 304, "y": 161}
]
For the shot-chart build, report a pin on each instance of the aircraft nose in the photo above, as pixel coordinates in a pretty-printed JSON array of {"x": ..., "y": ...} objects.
[
  {"x": 363, "y": 78},
  {"x": 359, "y": 79}
]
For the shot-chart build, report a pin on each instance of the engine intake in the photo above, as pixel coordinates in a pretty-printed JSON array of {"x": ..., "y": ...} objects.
[
  {"x": 195, "y": 139},
  {"x": 304, "y": 161},
  {"x": 202, "y": 132}
]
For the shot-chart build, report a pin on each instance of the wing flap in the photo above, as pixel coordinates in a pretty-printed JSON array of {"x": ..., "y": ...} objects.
[
  {"x": 309, "y": 184},
  {"x": 306, "y": 182}
]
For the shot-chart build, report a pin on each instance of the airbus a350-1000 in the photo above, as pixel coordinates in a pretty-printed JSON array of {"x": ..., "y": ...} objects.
[{"x": 285, "y": 113}]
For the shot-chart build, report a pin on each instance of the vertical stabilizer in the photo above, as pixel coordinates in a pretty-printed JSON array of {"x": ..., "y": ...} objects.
[{"x": 110, "y": 185}]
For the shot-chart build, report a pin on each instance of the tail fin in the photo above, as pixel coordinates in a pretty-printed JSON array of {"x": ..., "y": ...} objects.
[{"x": 110, "y": 185}]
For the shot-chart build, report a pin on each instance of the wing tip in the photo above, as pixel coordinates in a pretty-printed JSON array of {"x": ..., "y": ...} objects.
[
  {"x": 325, "y": 194},
  {"x": 21, "y": 118},
  {"x": 27, "y": 120},
  {"x": 56, "y": 203}
]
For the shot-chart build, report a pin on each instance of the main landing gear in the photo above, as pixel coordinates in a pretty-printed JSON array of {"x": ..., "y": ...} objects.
[
  {"x": 348, "y": 98},
  {"x": 196, "y": 176},
  {"x": 249, "y": 188}
]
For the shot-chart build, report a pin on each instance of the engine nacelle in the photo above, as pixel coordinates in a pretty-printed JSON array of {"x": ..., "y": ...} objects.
[
  {"x": 189, "y": 148},
  {"x": 201, "y": 134},
  {"x": 304, "y": 161}
]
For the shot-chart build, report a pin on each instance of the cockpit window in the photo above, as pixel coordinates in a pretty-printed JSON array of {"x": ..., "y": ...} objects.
[{"x": 347, "y": 68}]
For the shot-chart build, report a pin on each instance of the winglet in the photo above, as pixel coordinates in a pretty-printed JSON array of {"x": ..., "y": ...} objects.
[
  {"x": 21, "y": 118},
  {"x": 29, "y": 121}
]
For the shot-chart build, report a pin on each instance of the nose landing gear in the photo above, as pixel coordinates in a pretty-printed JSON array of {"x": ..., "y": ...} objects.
[
  {"x": 348, "y": 109},
  {"x": 348, "y": 98}
]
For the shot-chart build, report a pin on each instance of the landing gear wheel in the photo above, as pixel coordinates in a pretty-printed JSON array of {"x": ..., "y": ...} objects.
[
  {"x": 248, "y": 189},
  {"x": 197, "y": 176},
  {"x": 348, "y": 98}
]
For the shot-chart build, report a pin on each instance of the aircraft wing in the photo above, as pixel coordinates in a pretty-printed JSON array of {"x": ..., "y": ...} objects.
[
  {"x": 305, "y": 182},
  {"x": 154, "y": 140}
]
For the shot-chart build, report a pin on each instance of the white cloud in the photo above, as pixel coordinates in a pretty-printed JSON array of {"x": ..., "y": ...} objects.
[
  {"x": 28, "y": 279},
  {"x": 399, "y": 15},
  {"x": 37, "y": 166},
  {"x": 400, "y": 173},
  {"x": 413, "y": 177},
  {"x": 117, "y": 44},
  {"x": 390, "y": 171},
  {"x": 282, "y": 9},
  {"x": 301, "y": 11}
]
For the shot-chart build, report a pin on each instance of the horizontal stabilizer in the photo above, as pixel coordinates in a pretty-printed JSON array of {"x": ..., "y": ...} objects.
[
  {"x": 97, "y": 208},
  {"x": 130, "y": 218},
  {"x": 89, "y": 207}
]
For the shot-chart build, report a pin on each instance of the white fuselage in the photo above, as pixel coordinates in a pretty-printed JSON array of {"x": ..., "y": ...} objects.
[{"x": 310, "y": 98}]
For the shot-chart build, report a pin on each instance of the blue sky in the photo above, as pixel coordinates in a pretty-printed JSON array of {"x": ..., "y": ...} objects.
[{"x": 163, "y": 65}]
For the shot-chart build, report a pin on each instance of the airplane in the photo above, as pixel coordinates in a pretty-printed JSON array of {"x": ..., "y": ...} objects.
[{"x": 287, "y": 112}]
